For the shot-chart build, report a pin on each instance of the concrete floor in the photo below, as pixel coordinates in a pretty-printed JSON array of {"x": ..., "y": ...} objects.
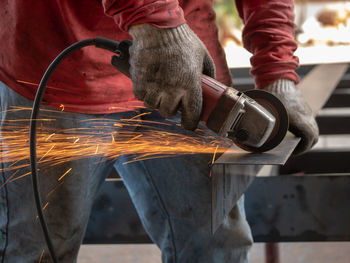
[{"x": 335, "y": 252}]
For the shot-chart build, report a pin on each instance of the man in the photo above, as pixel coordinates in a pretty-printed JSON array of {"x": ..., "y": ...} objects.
[{"x": 171, "y": 195}]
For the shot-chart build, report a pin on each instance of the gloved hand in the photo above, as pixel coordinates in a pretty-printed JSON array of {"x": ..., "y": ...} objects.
[
  {"x": 166, "y": 67},
  {"x": 301, "y": 120}
]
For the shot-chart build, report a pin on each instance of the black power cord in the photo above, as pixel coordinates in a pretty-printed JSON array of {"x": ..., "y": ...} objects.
[{"x": 99, "y": 42}]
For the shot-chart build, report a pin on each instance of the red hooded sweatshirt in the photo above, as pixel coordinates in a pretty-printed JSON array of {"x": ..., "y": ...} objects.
[{"x": 34, "y": 32}]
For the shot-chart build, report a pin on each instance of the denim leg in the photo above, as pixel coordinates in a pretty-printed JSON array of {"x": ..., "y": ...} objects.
[
  {"x": 69, "y": 199},
  {"x": 173, "y": 199}
]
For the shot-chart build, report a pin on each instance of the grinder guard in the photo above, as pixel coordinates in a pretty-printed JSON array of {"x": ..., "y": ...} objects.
[
  {"x": 256, "y": 121},
  {"x": 255, "y": 125},
  {"x": 273, "y": 105}
]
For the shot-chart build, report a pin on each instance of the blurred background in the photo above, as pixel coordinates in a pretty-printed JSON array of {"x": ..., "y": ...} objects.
[{"x": 322, "y": 31}]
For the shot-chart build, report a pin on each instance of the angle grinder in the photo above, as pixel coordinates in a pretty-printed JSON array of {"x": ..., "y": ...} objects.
[{"x": 255, "y": 120}]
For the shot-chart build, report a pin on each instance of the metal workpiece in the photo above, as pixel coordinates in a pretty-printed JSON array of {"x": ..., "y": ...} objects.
[
  {"x": 276, "y": 156},
  {"x": 236, "y": 169}
]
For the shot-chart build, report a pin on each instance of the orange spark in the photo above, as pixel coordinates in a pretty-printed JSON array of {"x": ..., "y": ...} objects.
[
  {"x": 59, "y": 179},
  {"x": 12, "y": 164},
  {"x": 48, "y": 138},
  {"x": 45, "y": 206},
  {"x": 134, "y": 138},
  {"x": 213, "y": 160},
  {"x": 47, "y": 152},
  {"x": 123, "y": 108},
  {"x": 139, "y": 115},
  {"x": 148, "y": 122},
  {"x": 151, "y": 140},
  {"x": 41, "y": 256},
  {"x": 53, "y": 190},
  {"x": 19, "y": 177},
  {"x": 216, "y": 149},
  {"x": 37, "y": 84},
  {"x": 25, "y": 120},
  {"x": 27, "y": 82},
  {"x": 9, "y": 179}
]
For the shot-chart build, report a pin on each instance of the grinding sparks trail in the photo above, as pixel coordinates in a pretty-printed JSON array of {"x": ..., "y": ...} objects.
[
  {"x": 100, "y": 138},
  {"x": 59, "y": 179},
  {"x": 41, "y": 256}
]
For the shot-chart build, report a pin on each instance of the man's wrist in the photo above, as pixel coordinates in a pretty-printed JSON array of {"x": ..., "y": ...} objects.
[
  {"x": 151, "y": 36},
  {"x": 281, "y": 85}
]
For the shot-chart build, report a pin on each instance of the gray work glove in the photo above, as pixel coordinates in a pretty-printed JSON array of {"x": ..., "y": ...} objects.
[
  {"x": 166, "y": 67},
  {"x": 301, "y": 120}
]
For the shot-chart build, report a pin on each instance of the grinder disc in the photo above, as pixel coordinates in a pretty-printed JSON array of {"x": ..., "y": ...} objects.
[{"x": 277, "y": 109}]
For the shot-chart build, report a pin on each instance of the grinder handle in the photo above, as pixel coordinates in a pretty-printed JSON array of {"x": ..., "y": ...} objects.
[{"x": 212, "y": 91}]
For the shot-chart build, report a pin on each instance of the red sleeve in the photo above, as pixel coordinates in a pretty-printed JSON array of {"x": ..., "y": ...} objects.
[
  {"x": 269, "y": 35},
  {"x": 159, "y": 13}
]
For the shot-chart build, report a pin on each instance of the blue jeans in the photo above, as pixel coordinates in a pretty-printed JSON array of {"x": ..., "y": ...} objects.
[{"x": 171, "y": 195}]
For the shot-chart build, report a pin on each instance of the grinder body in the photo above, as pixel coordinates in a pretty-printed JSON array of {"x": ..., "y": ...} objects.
[
  {"x": 232, "y": 114},
  {"x": 253, "y": 126}
]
